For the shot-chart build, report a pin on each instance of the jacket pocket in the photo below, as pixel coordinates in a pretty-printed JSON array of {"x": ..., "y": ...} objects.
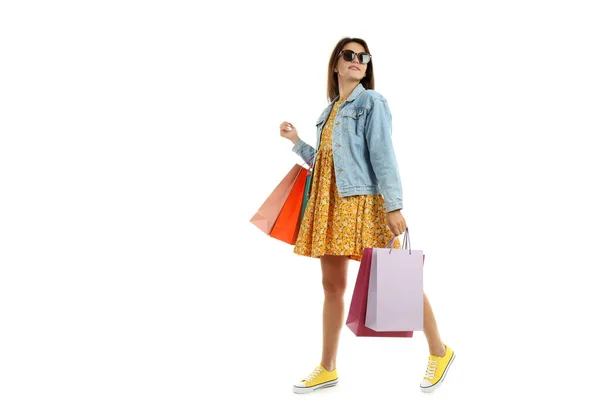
[{"x": 353, "y": 121}]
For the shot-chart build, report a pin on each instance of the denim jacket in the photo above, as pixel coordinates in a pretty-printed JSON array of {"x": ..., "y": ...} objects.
[{"x": 363, "y": 154}]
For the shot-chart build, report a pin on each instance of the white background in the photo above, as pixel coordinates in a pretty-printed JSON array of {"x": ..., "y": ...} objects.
[{"x": 138, "y": 138}]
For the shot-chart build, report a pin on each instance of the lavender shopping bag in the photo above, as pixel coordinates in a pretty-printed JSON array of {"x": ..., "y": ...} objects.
[
  {"x": 358, "y": 305},
  {"x": 395, "y": 299}
]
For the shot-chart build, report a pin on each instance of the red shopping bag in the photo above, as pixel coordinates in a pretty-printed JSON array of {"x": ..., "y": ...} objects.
[
  {"x": 358, "y": 305},
  {"x": 288, "y": 222}
]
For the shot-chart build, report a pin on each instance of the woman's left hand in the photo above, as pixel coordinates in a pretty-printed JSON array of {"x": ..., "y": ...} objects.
[{"x": 396, "y": 222}]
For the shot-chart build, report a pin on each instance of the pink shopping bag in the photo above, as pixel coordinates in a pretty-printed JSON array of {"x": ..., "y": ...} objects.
[
  {"x": 358, "y": 304},
  {"x": 395, "y": 299},
  {"x": 287, "y": 226},
  {"x": 264, "y": 219}
]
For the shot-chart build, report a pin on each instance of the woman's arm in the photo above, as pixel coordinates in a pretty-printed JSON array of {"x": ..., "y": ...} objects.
[
  {"x": 378, "y": 131},
  {"x": 304, "y": 150}
]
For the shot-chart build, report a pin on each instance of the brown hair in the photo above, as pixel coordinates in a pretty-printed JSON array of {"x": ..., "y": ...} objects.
[{"x": 333, "y": 89}]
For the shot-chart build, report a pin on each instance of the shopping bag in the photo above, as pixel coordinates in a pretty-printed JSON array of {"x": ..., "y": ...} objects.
[
  {"x": 287, "y": 224},
  {"x": 264, "y": 219},
  {"x": 358, "y": 304},
  {"x": 307, "y": 189},
  {"x": 306, "y": 194},
  {"x": 395, "y": 299}
]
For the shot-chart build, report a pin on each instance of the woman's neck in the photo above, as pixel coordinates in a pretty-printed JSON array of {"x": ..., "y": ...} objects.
[{"x": 346, "y": 88}]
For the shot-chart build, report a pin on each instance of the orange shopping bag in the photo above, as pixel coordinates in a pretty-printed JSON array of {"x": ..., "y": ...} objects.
[
  {"x": 264, "y": 219},
  {"x": 288, "y": 222}
]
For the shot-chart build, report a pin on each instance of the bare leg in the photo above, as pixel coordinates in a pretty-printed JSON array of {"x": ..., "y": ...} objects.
[
  {"x": 335, "y": 271},
  {"x": 436, "y": 346}
]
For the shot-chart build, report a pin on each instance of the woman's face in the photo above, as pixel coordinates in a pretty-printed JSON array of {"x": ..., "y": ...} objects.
[{"x": 351, "y": 70}]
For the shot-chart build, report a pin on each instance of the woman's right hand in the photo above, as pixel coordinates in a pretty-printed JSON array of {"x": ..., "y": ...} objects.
[{"x": 288, "y": 131}]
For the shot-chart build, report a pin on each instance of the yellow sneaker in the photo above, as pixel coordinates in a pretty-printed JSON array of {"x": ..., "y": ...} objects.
[
  {"x": 320, "y": 378},
  {"x": 437, "y": 368}
]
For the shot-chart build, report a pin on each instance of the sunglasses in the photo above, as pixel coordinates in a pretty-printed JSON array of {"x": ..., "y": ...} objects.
[{"x": 349, "y": 55}]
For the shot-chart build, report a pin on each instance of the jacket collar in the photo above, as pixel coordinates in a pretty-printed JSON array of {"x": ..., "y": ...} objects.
[{"x": 355, "y": 93}]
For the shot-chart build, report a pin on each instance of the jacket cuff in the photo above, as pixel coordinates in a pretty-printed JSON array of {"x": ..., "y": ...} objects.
[
  {"x": 393, "y": 206},
  {"x": 304, "y": 150},
  {"x": 298, "y": 146}
]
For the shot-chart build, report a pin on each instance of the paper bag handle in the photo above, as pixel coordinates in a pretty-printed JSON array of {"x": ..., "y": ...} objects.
[{"x": 405, "y": 243}]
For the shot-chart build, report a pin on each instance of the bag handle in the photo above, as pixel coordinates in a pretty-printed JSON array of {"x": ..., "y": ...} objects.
[
  {"x": 405, "y": 242},
  {"x": 309, "y": 161}
]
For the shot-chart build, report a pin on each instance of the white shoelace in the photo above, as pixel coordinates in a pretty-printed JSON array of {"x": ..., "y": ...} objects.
[
  {"x": 431, "y": 368},
  {"x": 314, "y": 374}
]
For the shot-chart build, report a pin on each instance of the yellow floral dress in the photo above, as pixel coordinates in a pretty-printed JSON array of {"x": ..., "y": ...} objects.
[{"x": 334, "y": 225}]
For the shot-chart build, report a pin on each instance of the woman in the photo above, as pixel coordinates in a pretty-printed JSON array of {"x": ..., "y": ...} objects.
[{"x": 355, "y": 200}]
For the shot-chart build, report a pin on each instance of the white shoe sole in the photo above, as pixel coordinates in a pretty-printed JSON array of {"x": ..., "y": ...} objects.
[
  {"x": 431, "y": 388},
  {"x": 302, "y": 390}
]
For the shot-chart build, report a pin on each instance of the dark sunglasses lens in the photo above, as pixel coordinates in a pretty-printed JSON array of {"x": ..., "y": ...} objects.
[
  {"x": 364, "y": 58},
  {"x": 348, "y": 55}
]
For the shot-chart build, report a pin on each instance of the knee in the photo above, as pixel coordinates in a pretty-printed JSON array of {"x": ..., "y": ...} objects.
[{"x": 334, "y": 288}]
